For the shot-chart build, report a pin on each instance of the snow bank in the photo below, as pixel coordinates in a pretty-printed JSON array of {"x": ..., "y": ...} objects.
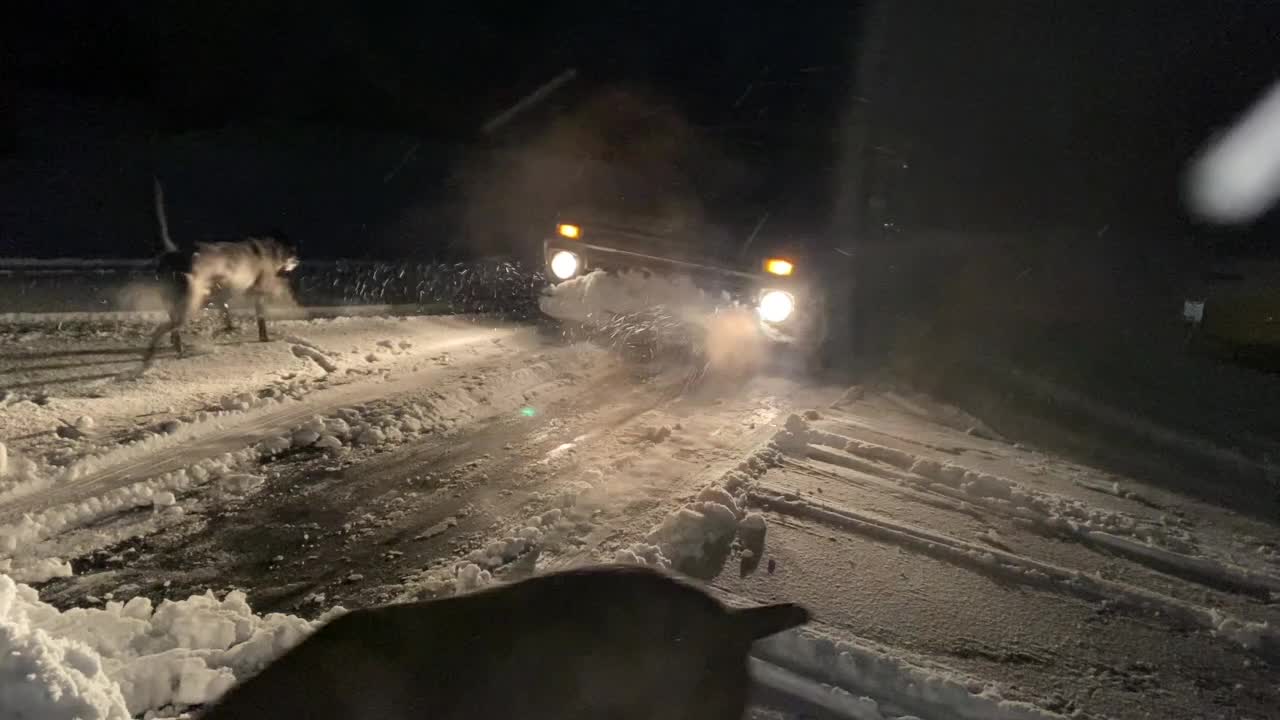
[
  {"x": 128, "y": 658},
  {"x": 35, "y": 570}
]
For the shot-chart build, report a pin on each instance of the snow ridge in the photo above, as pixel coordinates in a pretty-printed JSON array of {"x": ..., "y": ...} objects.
[{"x": 130, "y": 658}]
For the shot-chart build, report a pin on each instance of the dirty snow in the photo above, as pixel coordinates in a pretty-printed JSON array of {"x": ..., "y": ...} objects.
[{"x": 423, "y": 408}]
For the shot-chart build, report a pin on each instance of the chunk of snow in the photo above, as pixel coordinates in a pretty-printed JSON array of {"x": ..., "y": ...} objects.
[
  {"x": 337, "y": 426},
  {"x": 687, "y": 532},
  {"x": 1248, "y": 634},
  {"x": 753, "y": 522},
  {"x": 275, "y": 445},
  {"x": 472, "y": 577},
  {"x": 126, "y": 660},
  {"x": 305, "y": 438},
  {"x": 329, "y": 442},
  {"x": 793, "y": 439},
  {"x": 240, "y": 483},
  {"x": 36, "y": 570},
  {"x": 657, "y": 434},
  {"x": 642, "y": 554},
  {"x": 371, "y": 436},
  {"x": 314, "y": 355},
  {"x": 240, "y": 402},
  {"x": 720, "y": 496}
]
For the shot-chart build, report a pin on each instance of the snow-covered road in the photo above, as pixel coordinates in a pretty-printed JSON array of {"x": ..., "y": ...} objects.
[{"x": 356, "y": 461}]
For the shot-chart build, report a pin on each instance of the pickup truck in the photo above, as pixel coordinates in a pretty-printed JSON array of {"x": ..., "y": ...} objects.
[{"x": 775, "y": 281}]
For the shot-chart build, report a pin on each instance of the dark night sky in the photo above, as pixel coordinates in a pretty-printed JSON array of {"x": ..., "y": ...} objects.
[{"x": 1012, "y": 113}]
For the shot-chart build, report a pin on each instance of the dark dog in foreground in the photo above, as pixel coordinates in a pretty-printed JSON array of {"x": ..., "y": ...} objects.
[
  {"x": 254, "y": 266},
  {"x": 618, "y": 643}
]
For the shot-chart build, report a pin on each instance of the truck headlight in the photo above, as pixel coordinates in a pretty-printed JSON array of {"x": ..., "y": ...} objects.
[
  {"x": 776, "y": 306},
  {"x": 564, "y": 265}
]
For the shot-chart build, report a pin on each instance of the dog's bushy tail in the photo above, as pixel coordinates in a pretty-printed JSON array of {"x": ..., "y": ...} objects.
[{"x": 162, "y": 219}]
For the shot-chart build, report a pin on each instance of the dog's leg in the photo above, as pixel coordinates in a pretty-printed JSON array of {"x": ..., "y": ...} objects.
[
  {"x": 228, "y": 325},
  {"x": 262, "y": 320},
  {"x": 179, "y": 312},
  {"x": 175, "y": 336},
  {"x": 168, "y": 328}
]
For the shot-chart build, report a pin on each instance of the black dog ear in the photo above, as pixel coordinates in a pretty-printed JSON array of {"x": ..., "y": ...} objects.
[
  {"x": 279, "y": 236},
  {"x": 760, "y": 622}
]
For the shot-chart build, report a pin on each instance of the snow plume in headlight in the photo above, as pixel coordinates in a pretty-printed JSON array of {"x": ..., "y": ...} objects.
[
  {"x": 726, "y": 342},
  {"x": 651, "y": 316},
  {"x": 650, "y": 334},
  {"x": 597, "y": 297},
  {"x": 733, "y": 343}
]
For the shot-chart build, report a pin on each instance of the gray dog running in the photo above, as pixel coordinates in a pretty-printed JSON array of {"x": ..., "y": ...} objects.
[{"x": 255, "y": 266}]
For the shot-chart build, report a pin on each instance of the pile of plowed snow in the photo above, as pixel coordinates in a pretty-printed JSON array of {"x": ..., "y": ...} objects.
[{"x": 130, "y": 658}]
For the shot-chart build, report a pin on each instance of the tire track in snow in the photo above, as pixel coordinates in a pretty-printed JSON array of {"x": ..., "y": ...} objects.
[
  {"x": 851, "y": 677},
  {"x": 1031, "y": 508},
  {"x": 1258, "y": 637}
]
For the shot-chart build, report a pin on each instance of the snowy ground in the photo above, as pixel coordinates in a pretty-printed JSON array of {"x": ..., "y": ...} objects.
[{"x": 355, "y": 461}]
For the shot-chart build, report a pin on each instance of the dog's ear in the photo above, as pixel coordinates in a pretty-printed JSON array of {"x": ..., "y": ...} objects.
[
  {"x": 285, "y": 241},
  {"x": 757, "y": 623}
]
